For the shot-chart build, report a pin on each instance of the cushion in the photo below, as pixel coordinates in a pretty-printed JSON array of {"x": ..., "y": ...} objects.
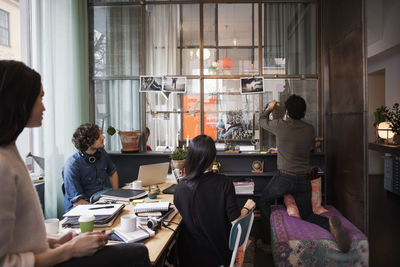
[{"x": 316, "y": 200}]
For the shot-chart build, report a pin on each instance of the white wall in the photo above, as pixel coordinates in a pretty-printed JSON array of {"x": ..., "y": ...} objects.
[{"x": 383, "y": 39}]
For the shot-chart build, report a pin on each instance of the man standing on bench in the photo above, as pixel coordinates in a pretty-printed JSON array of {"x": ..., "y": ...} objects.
[{"x": 294, "y": 140}]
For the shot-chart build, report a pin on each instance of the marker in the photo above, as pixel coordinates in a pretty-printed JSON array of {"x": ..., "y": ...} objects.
[{"x": 105, "y": 207}]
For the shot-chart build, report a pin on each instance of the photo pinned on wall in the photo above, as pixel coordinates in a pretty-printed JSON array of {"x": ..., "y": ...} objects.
[
  {"x": 174, "y": 84},
  {"x": 252, "y": 85},
  {"x": 150, "y": 84}
]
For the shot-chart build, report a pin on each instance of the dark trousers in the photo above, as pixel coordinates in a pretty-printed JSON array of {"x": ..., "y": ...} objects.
[
  {"x": 129, "y": 254},
  {"x": 300, "y": 188}
]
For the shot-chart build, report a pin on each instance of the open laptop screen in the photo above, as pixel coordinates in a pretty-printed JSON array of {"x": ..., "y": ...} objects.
[{"x": 153, "y": 173}]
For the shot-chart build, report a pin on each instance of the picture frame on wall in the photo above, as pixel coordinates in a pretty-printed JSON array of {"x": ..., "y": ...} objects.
[
  {"x": 174, "y": 84},
  {"x": 151, "y": 84},
  {"x": 252, "y": 85}
]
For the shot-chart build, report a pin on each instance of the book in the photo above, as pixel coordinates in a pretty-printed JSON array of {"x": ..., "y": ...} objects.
[
  {"x": 124, "y": 194},
  {"x": 244, "y": 187},
  {"x": 152, "y": 206},
  {"x": 129, "y": 237}
]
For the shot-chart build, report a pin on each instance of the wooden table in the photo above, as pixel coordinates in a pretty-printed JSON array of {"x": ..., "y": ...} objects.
[{"x": 158, "y": 244}]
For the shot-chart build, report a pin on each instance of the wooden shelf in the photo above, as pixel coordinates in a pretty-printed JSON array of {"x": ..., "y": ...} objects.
[{"x": 392, "y": 149}]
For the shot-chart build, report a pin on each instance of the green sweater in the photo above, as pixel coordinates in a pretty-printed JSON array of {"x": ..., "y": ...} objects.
[{"x": 294, "y": 140}]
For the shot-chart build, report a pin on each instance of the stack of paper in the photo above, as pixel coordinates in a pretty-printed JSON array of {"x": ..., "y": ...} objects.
[
  {"x": 104, "y": 214},
  {"x": 244, "y": 187}
]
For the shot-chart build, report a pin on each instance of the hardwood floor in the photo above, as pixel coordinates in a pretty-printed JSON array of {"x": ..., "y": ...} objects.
[{"x": 384, "y": 224}]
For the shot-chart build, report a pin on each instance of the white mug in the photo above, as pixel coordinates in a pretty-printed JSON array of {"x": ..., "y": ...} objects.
[
  {"x": 128, "y": 223},
  {"x": 136, "y": 184},
  {"x": 52, "y": 225}
]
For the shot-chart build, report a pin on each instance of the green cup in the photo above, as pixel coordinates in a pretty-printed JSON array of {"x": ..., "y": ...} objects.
[{"x": 86, "y": 222}]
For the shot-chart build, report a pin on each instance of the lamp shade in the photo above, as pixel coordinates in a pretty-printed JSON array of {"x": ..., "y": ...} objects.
[
  {"x": 385, "y": 130},
  {"x": 226, "y": 62}
]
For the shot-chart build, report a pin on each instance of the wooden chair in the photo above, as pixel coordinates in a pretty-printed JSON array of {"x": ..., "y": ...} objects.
[{"x": 239, "y": 235}]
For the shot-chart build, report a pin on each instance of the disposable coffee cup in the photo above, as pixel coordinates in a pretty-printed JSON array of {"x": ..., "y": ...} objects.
[
  {"x": 86, "y": 222},
  {"x": 52, "y": 225},
  {"x": 137, "y": 184},
  {"x": 128, "y": 223}
]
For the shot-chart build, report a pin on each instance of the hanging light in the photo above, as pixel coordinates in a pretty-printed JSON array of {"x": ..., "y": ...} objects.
[
  {"x": 206, "y": 53},
  {"x": 235, "y": 41}
]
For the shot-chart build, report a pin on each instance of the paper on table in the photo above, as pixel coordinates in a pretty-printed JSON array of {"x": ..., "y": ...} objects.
[
  {"x": 128, "y": 237},
  {"x": 86, "y": 210}
]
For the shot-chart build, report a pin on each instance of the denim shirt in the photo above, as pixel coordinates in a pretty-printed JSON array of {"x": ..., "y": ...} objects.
[{"x": 82, "y": 179}]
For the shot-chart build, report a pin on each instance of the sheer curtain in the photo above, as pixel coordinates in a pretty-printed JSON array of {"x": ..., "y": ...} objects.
[
  {"x": 290, "y": 37},
  {"x": 161, "y": 59},
  {"x": 116, "y": 38},
  {"x": 59, "y": 54}
]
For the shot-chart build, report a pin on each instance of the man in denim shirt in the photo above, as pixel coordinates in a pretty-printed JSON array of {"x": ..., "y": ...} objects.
[{"x": 90, "y": 169}]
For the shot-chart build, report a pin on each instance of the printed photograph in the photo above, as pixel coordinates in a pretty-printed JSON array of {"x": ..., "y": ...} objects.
[
  {"x": 174, "y": 84},
  {"x": 150, "y": 83},
  {"x": 252, "y": 85}
]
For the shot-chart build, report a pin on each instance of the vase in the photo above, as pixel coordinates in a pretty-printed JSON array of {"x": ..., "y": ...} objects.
[
  {"x": 177, "y": 166},
  {"x": 129, "y": 140}
]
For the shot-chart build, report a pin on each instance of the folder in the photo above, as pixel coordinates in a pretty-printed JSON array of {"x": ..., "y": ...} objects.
[
  {"x": 124, "y": 194},
  {"x": 103, "y": 214}
]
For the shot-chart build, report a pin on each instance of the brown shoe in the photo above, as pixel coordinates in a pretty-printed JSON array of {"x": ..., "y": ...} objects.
[{"x": 341, "y": 235}]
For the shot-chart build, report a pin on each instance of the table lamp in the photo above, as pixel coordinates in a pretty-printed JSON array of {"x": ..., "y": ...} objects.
[{"x": 385, "y": 131}]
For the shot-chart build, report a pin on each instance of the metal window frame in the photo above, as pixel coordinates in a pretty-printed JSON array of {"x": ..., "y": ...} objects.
[
  {"x": 201, "y": 46},
  {"x": 6, "y": 28}
]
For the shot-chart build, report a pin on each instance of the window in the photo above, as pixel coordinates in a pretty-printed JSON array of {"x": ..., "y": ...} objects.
[
  {"x": 131, "y": 39},
  {"x": 4, "y": 28}
]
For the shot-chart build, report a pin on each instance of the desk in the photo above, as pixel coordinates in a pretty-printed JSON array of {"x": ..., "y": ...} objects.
[{"x": 158, "y": 244}]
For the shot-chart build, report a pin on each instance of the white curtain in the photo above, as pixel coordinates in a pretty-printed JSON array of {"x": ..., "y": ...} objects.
[
  {"x": 60, "y": 55},
  {"x": 290, "y": 37},
  {"x": 161, "y": 59},
  {"x": 116, "y": 52}
]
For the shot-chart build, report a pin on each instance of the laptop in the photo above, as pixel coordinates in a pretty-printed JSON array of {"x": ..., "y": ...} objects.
[{"x": 153, "y": 173}]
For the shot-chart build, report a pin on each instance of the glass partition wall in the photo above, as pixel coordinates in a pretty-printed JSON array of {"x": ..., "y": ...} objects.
[{"x": 220, "y": 49}]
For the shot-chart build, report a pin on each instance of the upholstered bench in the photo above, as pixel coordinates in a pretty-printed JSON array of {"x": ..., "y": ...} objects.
[{"x": 299, "y": 243}]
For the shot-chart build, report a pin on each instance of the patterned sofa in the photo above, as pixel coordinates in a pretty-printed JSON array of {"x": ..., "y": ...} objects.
[{"x": 299, "y": 243}]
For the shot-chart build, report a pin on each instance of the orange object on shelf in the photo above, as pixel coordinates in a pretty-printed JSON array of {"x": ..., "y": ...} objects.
[
  {"x": 226, "y": 62},
  {"x": 191, "y": 121}
]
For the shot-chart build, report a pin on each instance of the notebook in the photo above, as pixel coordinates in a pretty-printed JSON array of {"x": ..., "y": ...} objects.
[
  {"x": 153, "y": 173},
  {"x": 152, "y": 206},
  {"x": 129, "y": 237},
  {"x": 104, "y": 214},
  {"x": 124, "y": 194}
]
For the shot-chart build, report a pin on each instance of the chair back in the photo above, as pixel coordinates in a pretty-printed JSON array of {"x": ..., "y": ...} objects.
[{"x": 239, "y": 235}]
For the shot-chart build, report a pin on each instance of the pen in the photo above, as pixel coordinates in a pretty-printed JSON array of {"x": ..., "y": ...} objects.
[{"x": 104, "y": 207}]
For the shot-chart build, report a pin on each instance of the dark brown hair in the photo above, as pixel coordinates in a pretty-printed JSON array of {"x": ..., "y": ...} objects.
[
  {"x": 19, "y": 89},
  {"x": 85, "y": 136},
  {"x": 296, "y": 107}
]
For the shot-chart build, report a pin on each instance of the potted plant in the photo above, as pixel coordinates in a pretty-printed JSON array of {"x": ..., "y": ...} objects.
[
  {"x": 393, "y": 116},
  {"x": 129, "y": 139},
  {"x": 380, "y": 115},
  {"x": 178, "y": 158}
]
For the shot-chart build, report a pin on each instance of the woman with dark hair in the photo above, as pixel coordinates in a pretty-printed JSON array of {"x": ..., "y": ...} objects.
[
  {"x": 23, "y": 240},
  {"x": 207, "y": 204}
]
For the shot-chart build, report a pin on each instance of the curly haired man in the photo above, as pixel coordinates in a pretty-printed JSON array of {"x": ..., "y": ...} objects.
[{"x": 90, "y": 170}]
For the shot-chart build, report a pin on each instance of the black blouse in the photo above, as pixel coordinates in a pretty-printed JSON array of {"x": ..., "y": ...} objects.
[{"x": 207, "y": 222}]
